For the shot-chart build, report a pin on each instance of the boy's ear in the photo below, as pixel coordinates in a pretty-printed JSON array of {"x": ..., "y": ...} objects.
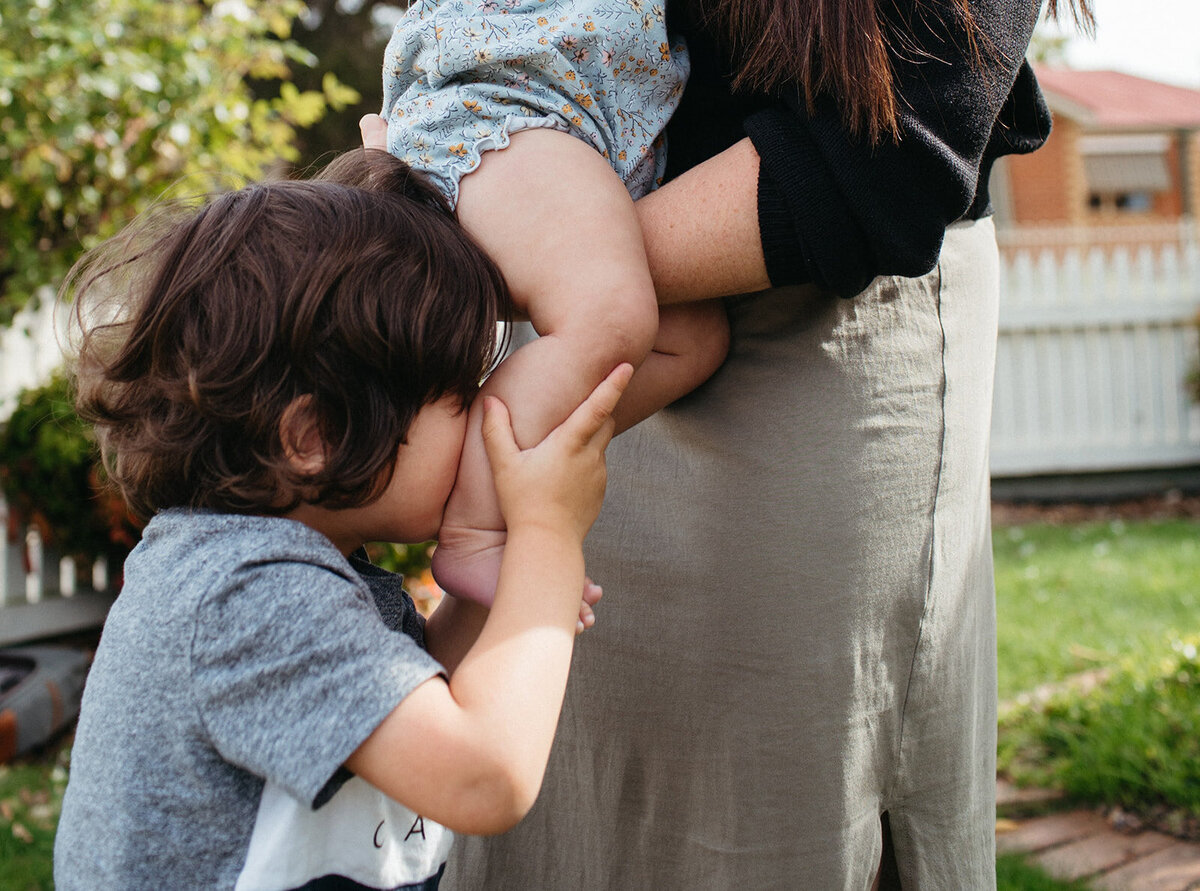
[{"x": 300, "y": 435}]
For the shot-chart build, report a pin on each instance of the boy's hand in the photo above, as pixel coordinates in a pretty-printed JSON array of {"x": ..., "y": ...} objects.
[{"x": 559, "y": 483}]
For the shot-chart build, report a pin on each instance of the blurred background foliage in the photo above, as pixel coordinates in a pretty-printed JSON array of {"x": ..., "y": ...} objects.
[
  {"x": 346, "y": 37},
  {"x": 104, "y": 104},
  {"x": 107, "y": 104}
]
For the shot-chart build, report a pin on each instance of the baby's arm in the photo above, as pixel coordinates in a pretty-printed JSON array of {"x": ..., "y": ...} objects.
[
  {"x": 484, "y": 736},
  {"x": 692, "y": 342}
]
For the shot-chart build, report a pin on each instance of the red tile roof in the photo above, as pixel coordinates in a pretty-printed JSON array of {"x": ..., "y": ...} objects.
[{"x": 1113, "y": 100}]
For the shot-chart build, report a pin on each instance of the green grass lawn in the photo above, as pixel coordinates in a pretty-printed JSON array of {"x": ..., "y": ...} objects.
[
  {"x": 1014, "y": 874},
  {"x": 1075, "y": 597},
  {"x": 1121, "y": 596},
  {"x": 30, "y": 799}
]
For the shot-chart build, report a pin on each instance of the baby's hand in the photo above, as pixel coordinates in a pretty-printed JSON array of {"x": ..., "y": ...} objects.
[
  {"x": 373, "y": 130},
  {"x": 559, "y": 483}
]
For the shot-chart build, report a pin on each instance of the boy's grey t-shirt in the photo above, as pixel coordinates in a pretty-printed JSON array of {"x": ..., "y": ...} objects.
[{"x": 244, "y": 660}]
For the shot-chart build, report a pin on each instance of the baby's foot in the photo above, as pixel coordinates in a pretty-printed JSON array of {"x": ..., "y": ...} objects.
[
  {"x": 466, "y": 562},
  {"x": 591, "y": 596}
]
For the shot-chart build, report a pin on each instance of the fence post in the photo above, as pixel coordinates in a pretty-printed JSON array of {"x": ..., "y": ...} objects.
[
  {"x": 44, "y": 563},
  {"x": 13, "y": 567}
]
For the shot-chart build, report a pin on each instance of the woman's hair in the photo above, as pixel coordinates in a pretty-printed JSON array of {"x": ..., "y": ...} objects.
[
  {"x": 197, "y": 327},
  {"x": 836, "y": 47}
]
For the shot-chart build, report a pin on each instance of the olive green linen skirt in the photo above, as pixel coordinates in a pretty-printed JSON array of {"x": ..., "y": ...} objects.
[{"x": 798, "y": 631}]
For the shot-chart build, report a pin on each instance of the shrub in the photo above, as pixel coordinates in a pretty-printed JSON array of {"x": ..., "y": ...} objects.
[
  {"x": 105, "y": 103},
  {"x": 51, "y": 477}
]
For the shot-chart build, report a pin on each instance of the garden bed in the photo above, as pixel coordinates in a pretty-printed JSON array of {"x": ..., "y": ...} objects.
[{"x": 1171, "y": 505}]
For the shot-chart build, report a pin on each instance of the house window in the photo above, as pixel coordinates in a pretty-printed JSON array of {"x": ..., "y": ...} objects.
[
  {"x": 1121, "y": 202},
  {"x": 1125, "y": 172}
]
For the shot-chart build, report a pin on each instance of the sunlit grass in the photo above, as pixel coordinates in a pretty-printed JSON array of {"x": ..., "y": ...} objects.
[
  {"x": 1133, "y": 740},
  {"x": 1121, "y": 596},
  {"x": 1075, "y": 597},
  {"x": 1014, "y": 874}
]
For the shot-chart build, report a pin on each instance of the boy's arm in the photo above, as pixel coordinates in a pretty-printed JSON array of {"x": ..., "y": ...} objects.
[
  {"x": 455, "y": 625},
  {"x": 483, "y": 737}
]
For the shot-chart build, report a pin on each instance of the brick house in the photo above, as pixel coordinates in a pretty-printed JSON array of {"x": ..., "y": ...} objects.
[{"x": 1124, "y": 151}]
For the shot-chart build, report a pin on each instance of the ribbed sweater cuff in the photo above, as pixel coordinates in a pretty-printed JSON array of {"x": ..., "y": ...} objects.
[
  {"x": 809, "y": 235},
  {"x": 781, "y": 247}
]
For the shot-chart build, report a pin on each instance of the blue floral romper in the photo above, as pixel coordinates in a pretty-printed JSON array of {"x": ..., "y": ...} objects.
[{"x": 461, "y": 76}]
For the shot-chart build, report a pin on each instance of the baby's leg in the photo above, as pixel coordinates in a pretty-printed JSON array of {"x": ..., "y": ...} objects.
[{"x": 560, "y": 225}]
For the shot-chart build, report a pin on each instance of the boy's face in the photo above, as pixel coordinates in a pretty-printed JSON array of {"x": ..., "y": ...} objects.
[{"x": 410, "y": 508}]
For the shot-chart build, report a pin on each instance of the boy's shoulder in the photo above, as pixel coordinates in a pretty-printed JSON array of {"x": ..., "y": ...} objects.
[
  {"x": 223, "y": 559},
  {"x": 244, "y": 537},
  {"x": 192, "y": 545},
  {"x": 195, "y": 566}
]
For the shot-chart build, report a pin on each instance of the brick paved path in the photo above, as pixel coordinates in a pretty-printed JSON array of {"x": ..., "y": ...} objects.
[{"x": 1081, "y": 844}]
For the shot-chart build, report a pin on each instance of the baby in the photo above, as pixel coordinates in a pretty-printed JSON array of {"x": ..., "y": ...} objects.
[{"x": 576, "y": 93}]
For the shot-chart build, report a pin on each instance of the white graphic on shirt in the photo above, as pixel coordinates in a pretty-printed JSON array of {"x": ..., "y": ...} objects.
[{"x": 360, "y": 834}]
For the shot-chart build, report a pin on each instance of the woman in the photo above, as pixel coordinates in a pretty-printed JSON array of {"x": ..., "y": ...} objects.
[{"x": 793, "y": 681}]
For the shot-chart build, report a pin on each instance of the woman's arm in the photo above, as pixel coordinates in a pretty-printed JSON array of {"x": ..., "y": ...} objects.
[
  {"x": 801, "y": 200},
  {"x": 700, "y": 229},
  {"x": 834, "y": 210},
  {"x": 838, "y": 211}
]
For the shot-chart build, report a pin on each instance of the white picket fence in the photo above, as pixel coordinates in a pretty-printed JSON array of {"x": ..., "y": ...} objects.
[
  {"x": 1094, "y": 352},
  {"x": 1096, "y": 341},
  {"x": 43, "y": 593},
  {"x": 1060, "y": 239}
]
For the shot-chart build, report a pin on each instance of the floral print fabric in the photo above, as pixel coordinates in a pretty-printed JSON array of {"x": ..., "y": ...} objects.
[{"x": 461, "y": 76}]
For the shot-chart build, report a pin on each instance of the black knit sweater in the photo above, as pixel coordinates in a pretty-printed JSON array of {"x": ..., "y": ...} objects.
[{"x": 836, "y": 211}]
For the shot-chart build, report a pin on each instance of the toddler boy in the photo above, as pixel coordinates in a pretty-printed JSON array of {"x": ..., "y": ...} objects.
[{"x": 275, "y": 379}]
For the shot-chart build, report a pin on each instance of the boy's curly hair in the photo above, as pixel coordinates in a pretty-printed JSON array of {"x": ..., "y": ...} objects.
[{"x": 197, "y": 327}]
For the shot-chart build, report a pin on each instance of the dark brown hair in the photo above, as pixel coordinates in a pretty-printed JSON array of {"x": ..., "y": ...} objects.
[
  {"x": 198, "y": 326},
  {"x": 835, "y": 47}
]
